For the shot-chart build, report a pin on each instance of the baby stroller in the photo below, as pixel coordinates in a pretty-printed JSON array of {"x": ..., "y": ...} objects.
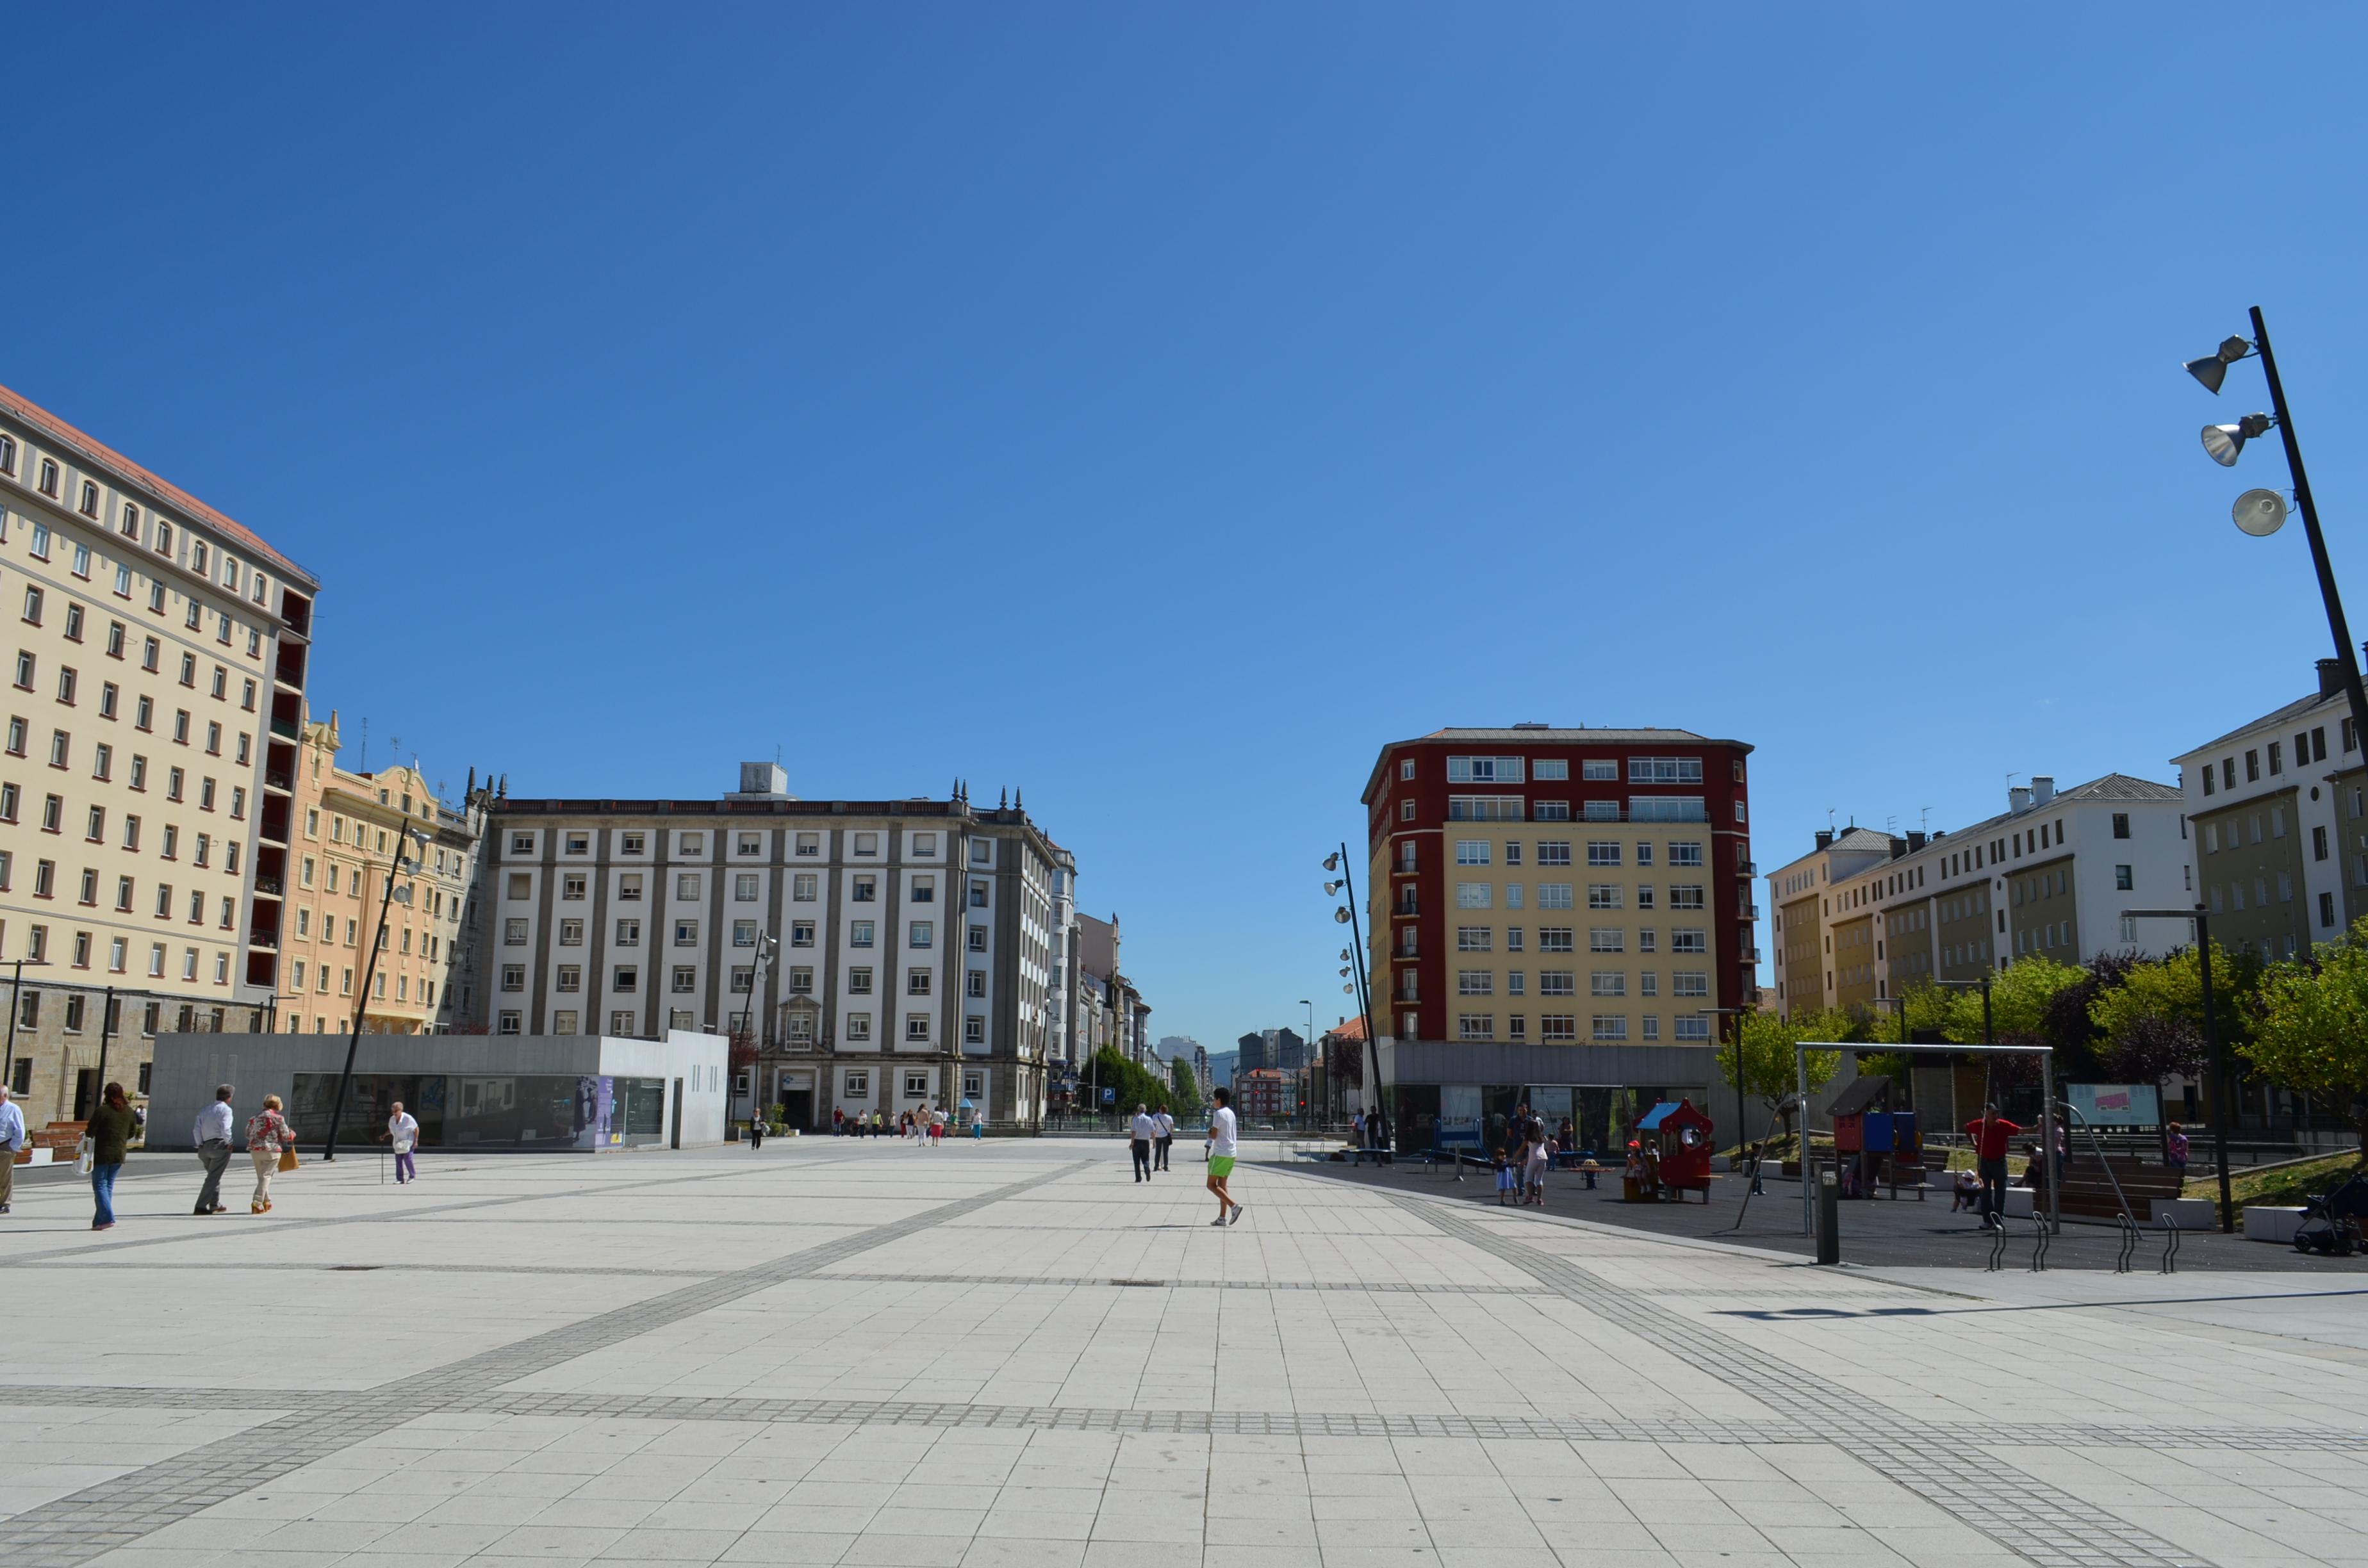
[{"x": 2331, "y": 1224}]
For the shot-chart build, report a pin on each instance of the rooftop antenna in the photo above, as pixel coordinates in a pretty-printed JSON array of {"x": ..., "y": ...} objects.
[
  {"x": 1891, "y": 824},
  {"x": 363, "y": 766},
  {"x": 1829, "y": 819},
  {"x": 1924, "y": 819},
  {"x": 2010, "y": 777}
]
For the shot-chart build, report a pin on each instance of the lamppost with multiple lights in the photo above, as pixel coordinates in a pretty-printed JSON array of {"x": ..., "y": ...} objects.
[
  {"x": 2263, "y": 512},
  {"x": 1346, "y": 915}
]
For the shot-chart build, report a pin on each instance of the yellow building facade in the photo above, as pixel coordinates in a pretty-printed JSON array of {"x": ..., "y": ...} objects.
[{"x": 347, "y": 827}]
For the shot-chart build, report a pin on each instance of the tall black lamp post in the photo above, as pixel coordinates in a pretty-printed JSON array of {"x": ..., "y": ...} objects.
[
  {"x": 2224, "y": 1104},
  {"x": 16, "y": 984},
  {"x": 395, "y": 871},
  {"x": 2263, "y": 512},
  {"x": 1347, "y": 915}
]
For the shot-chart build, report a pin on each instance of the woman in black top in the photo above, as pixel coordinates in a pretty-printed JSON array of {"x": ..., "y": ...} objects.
[{"x": 109, "y": 1130}]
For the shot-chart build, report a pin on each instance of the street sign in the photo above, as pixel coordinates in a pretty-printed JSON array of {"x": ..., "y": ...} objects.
[{"x": 1109, "y": 1096}]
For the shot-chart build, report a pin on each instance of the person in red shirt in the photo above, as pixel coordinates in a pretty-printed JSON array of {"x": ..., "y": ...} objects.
[{"x": 1992, "y": 1134}]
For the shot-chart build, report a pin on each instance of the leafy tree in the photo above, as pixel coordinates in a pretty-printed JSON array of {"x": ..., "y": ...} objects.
[
  {"x": 2310, "y": 1025},
  {"x": 2068, "y": 1025},
  {"x": 2171, "y": 987},
  {"x": 1757, "y": 1057},
  {"x": 1184, "y": 1090},
  {"x": 1135, "y": 1084},
  {"x": 2019, "y": 998}
]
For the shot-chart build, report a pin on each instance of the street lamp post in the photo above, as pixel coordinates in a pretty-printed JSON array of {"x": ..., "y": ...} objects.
[
  {"x": 765, "y": 948},
  {"x": 394, "y": 871},
  {"x": 15, "y": 984},
  {"x": 1347, "y": 915},
  {"x": 2224, "y": 442},
  {"x": 1306, "y": 1068},
  {"x": 1723, "y": 1014},
  {"x": 2224, "y": 1104}
]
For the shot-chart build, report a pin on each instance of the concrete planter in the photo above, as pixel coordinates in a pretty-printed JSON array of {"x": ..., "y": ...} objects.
[
  {"x": 2267, "y": 1225},
  {"x": 2186, "y": 1213}
]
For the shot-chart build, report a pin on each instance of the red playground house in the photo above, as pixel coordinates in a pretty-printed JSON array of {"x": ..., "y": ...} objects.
[{"x": 1677, "y": 1143}]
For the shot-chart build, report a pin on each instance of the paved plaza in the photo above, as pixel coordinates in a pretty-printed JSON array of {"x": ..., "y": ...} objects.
[{"x": 829, "y": 1351}]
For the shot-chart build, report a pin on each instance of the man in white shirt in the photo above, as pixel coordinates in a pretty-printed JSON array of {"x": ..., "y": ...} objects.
[
  {"x": 403, "y": 1131},
  {"x": 1164, "y": 1136},
  {"x": 211, "y": 1134},
  {"x": 12, "y": 1138},
  {"x": 1141, "y": 1131},
  {"x": 1222, "y": 1144}
]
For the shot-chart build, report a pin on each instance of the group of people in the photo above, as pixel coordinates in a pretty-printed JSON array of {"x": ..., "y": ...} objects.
[
  {"x": 1149, "y": 1136},
  {"x": 112, "y": 1124},
  {"x": 1526, "y": 1152},
  {"x": 928, "y": 1125}
]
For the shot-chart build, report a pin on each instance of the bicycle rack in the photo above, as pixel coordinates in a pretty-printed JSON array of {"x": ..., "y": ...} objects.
[
  {"x": 1998, "y": 1245},
  {"x": 2040, "y": 1240},
  {"x": 2170, "y": 1246},
  {"x": 2129, "y": 1243}
]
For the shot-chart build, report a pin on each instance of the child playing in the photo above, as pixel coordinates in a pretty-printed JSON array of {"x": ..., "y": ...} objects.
[{"x": 1968, "y": 1195}]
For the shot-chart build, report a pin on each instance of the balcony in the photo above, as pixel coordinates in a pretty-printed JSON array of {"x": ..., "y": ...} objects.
[
  {"x": 275, "y": 780},
  {"x": 1745, "y": 869},
  {"x": 269, "y": 887}
]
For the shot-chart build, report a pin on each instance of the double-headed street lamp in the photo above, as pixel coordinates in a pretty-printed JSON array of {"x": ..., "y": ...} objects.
[
  {"x": 2263, "y": 512},
  {"x": 2224, "y": 1104}
]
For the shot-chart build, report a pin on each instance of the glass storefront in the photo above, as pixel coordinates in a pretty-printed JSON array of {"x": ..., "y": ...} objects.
[{"x": 498, "y": 1111}]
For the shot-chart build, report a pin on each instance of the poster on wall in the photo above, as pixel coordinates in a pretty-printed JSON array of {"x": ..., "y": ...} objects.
[
  {"x": 1459, "y": 1115},
  {"x": 2114, "y": 1104}
]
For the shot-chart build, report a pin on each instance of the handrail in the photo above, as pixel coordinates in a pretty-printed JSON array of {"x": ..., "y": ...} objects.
[{"x": 2090, "y": 1128}]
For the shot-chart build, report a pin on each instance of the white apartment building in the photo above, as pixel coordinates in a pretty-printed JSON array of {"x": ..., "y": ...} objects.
[
  {"x": 915, "y": 958},
  {"x": 157, "y": 678},
  {"x": 2276, "y": 813},
  {"x": 1869, "y": 915}
]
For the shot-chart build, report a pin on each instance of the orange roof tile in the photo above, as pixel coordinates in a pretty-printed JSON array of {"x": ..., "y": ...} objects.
[{"x": 83, "y": 445}]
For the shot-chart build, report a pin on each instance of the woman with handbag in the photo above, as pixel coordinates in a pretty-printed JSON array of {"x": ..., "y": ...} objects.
[
  {"x": 271, "y": 1143},
  {"x": 107, "y": 1133}
]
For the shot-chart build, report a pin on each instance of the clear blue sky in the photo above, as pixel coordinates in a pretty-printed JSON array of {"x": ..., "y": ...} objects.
[{"x": 1160, "y": 410}]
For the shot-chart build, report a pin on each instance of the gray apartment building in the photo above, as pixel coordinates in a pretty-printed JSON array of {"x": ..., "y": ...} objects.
[{"x": 886, "y": 955}]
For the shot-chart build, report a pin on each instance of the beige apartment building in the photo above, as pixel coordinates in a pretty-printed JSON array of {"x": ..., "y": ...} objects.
[
  {"x": 1818, "y": 963},
  {"x": 348, "y": 825},
  {"x": 157, "y": 675}
]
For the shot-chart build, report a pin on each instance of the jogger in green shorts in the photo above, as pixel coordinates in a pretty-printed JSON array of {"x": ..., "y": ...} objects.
[{"x": 1222, "y": 1144}]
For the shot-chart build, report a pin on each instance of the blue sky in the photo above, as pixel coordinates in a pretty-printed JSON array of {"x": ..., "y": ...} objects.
[{"x": 1159, "y": 411}]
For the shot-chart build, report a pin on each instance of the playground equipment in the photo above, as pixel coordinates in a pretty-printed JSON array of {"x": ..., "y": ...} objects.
[{"x": 1675, "y": 1140}]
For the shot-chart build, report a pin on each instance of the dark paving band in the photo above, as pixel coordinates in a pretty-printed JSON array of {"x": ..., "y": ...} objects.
[{"x": 2031, "y": 1518}]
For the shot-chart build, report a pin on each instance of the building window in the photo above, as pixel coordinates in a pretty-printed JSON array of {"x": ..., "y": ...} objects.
[
  {"x": 920, "y": 933},
  {"x": 2121, "y": 824},
  {"x": 916, "y": 1028},
  {"x": 1473, "y": 895},
  {"x": 1475, "y": 1026},
  {"x": 1609, "y": 1026}
]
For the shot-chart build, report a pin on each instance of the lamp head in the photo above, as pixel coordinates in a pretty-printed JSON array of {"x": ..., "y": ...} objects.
[
  {"x": 1341, "y": 915},
  {"x": 1332, "y": 862},
  {"x": 1331, "y": 888},
  {"x": 2224, "y": 442},
  {"x": 2213, "y": 369}
]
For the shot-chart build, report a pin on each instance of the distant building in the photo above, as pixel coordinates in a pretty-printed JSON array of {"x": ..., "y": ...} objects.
[
  {"x": 2275, "y": 813},
  {"x": 1222, "y": 1068},
  {"x": 1263, "y": 1092}
]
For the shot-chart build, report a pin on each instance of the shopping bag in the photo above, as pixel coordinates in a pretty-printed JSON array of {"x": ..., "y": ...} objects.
[
  {"x": 85, "y": 1156},
  {"x": 288, "y": 1158}
]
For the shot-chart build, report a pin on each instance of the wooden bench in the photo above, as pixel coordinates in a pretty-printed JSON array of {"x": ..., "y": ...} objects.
[{"x": 2090, "y": 1192}]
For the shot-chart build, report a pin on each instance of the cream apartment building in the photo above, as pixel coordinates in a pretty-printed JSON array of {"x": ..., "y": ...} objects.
[
  {"x": 916, "y": 937},
  {"x": 157, "y": 672}
]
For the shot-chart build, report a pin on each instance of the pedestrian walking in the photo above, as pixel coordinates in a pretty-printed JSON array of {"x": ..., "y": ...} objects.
[
  {"x": 211, "y": 1135},
  {"x": 2174, "y": 1151},
  {"x": 1140, "y": 1132},
  {"x": 1535, "y": 1164},
  {"x": 1222, "y": 1141},
  {"x": 756, "y": 1131},
  {"x": 404, "y": 1133},
  {"x": 1162, "y": 1138},
  {"x": 937, "y": 1119},
  {"x": 1993, "y": 1135},
  {"x": 272, "y": 1144},
  {"x": 109, "y": 1131},
  {"x": 12, "y": 1138}
]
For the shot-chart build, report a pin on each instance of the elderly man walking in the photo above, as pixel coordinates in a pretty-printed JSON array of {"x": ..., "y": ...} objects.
[
  {"x": 12, "y": 1138},
  {"x": 211, "y": 1136}
]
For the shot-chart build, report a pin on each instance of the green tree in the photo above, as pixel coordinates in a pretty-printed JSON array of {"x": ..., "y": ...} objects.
[
  {"x": 1135, "y": 1086},
  {"x": 2310, "y": 1025},
  {"x": 2171, "y": 988},
  {"x": 1758, "y": 1055},
  {"x": 1183, "y": 1091}
]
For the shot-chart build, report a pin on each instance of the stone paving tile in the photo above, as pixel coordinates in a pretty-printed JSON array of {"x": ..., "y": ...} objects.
[{"x": 844, "y": 1355}]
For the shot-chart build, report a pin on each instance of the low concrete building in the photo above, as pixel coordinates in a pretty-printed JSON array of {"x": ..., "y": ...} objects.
[{"x": 530, "y": 1093}]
